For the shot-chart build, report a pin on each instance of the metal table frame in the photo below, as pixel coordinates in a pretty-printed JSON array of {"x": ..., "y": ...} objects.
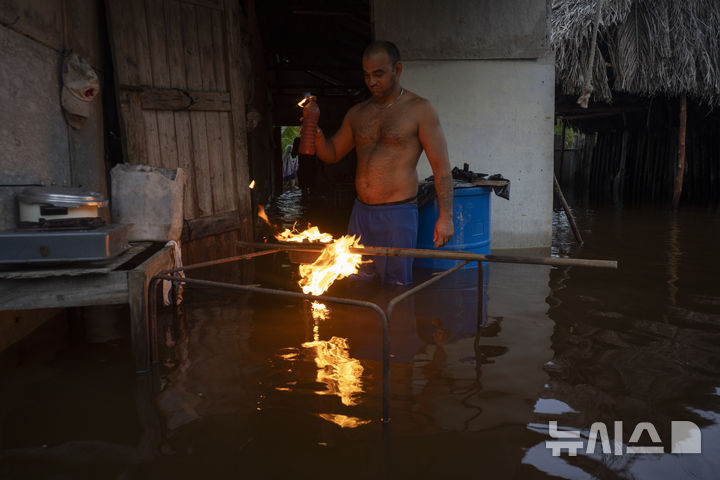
[{"x": 385, "y": 316}]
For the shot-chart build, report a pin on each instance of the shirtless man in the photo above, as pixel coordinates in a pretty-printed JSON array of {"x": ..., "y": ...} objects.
[{"x": 389, "y": 132}]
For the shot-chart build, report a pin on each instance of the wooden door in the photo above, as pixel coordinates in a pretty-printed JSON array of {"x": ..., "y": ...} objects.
[{"x": 179, "y": 82}]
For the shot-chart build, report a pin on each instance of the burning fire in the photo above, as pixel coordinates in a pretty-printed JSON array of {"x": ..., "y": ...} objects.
[
  {"x": 311, "y": 234},
  {"x": 263, "y": 215},
  {"x": 335, "y": 261},
  {"x": 252, "y": 185}
]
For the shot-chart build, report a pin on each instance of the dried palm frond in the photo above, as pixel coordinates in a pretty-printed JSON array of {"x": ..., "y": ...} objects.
[{"x": 655, "y": 47}]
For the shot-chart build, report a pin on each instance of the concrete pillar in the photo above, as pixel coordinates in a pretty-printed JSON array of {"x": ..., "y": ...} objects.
[{"x": 487, "y": 69}]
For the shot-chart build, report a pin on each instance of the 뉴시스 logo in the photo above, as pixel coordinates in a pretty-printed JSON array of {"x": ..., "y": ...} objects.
[{"x": 684, "y": 438}]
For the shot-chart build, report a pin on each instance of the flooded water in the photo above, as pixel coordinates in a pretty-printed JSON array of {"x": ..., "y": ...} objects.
[{"x": 264, "y": 387}]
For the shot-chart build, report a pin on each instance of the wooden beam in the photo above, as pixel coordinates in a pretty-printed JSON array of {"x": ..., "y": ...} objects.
[
  {"x": 176, "y": 99},
  {"x": 55, "y": 292},
  {"x": 212, "y": 225}
]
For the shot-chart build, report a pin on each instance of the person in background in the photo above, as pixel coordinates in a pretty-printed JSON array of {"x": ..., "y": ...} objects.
[
  {"x": 389, "y": 131},
  {"x": 289, "y": 169}
]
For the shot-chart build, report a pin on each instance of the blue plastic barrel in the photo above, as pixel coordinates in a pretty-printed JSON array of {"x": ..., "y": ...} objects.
[{"x": 471, "y": 220}]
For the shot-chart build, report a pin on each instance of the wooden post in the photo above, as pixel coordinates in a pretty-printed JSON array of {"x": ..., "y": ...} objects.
[
  {"x": 137, "y": 282},
  {"x": 679, "y": 175},
  {"x": 562, "y": 149},
  {"x": 568, "y": 213}
]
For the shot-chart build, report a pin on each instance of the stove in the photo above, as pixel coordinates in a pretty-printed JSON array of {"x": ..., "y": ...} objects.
[
  {"x": 60, "y": 225},
  {"x": 58, "y": 244}
]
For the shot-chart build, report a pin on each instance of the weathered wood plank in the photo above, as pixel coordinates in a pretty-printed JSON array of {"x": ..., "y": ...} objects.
[
  {"x": 152, "y": 137},
  {"x": 157, "y": 38},
  {"x": 161, "y": 78},
  {"x": 201, "y": 167},
  {"x": 198, "y": 126},
  {"x": 55, "y": 292},
  {"x": 183, "y": 134},
  {"x": 211, "y": 225},
  {"x": 176, "y": 63},
  {"x": 168, "y": 142},
  {"x": 237, "y": 94},
  {"x": 228, "y": 164},
  {"x": 207, "y": 67},
  {"x": 205, "y": 48},
  {"x": 176, "y": 99},
  {"x": 219, "y": 45},
  {"x": 176, "y": 55},
  {"x": 122, "y": 40},
  {"x": 136, "y": 12},
  {"x": 133, "y": 123},
  {"x": 221, "y": 201},
  {"x": 229, "y": 168}
]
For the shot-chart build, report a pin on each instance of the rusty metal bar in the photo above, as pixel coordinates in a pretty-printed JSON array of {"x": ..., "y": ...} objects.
[
  {"x": 219, "y": 261},
  {"x": 445, "y": 254}
]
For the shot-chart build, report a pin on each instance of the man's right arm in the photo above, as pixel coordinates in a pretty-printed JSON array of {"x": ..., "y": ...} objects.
[{"x": 333, "y": 149}]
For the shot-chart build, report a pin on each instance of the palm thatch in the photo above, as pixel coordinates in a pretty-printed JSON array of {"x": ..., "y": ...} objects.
[{"x": 654, "y": 47}]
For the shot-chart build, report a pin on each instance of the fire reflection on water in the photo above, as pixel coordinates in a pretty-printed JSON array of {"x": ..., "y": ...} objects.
[
  {"x": 343, "y": 421},
  {"x": 336, "y": 369}
]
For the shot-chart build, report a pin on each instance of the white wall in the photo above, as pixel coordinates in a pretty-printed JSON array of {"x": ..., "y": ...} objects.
[
  {"x": 497, "y": 116},
  {"x": 488, "y": 69}
]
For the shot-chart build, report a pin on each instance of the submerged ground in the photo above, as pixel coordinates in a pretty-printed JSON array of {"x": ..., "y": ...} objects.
[{"x": 258, "y": 387}]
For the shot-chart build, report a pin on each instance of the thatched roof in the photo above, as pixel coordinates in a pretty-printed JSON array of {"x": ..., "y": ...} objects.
[{"x": 647, "y": 47}]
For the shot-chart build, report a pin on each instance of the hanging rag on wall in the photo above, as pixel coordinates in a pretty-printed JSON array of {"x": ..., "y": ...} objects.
[{"x": 168, "y": 284}]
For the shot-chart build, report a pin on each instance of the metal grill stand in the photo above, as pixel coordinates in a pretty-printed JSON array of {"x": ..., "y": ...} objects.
[{"x": 384, "y": 315}]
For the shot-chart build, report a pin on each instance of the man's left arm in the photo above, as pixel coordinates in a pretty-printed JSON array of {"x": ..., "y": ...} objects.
[{"x": 433, "y": 141}]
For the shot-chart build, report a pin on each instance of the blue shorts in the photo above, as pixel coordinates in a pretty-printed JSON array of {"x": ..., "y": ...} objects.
[{"x": 392, "y": 226}]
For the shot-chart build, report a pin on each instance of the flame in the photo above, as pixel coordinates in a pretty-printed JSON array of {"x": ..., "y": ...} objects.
[
  {"x": 334, "y": 262},
  {"x": 262, "y": 214},
  {"x": 252, "y": 185},
  {"x": 343, "y": 420},
  {"x": 302, "y": 102},
  {"x": 311, "y": 234},
  {"x": 336, "y": 369}
]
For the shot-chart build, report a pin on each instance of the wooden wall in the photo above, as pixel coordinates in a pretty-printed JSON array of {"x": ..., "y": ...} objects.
[
  {"x": 635, "y": 161},
  {"x": 181, "y": 92},
  {"x": 37, "y": 145}
]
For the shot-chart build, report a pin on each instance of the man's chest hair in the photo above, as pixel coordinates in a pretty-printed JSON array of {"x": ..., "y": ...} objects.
[{"x": 385, "y": 127}]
